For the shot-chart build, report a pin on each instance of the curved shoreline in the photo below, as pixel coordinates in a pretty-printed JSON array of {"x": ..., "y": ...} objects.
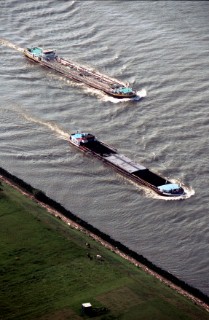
[{"x": 73, "y": 221}]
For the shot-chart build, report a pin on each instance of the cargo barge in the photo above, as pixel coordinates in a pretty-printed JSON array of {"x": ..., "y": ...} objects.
[
  {"x": 75, "y": 72},
  {"x": 87, "y": 142}
]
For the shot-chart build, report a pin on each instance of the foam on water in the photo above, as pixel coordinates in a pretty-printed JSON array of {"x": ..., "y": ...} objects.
[
  {"x": 50, "y": 125},
  {"x": 140, "y": 94},
  {"x": 189, "y": 192},
  {"x": 149, "y": 193},
  {"x": 104, "y": 97},
  {"x": 9, "y": 44},
  {"x": 157, "y": 51}
]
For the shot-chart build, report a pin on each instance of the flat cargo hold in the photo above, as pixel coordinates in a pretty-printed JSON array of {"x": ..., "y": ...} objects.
[
  {"x": 87, "y": 142},
  {"x": 125, "y": 163}
]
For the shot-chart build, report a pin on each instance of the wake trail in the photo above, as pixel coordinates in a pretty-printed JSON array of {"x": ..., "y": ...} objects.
[
  {"x": 189, "y": 192},
  {"x": 52, "y": 126},
  {"x": 9, "y": 44},
  {"x": 140, "y": 94}
]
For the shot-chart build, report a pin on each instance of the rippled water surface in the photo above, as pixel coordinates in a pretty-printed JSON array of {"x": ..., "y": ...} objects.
[{"x": 161, "y": 47}]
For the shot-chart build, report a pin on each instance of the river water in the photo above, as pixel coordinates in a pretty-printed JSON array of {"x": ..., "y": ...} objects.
[{"x": 161, "y": 47}]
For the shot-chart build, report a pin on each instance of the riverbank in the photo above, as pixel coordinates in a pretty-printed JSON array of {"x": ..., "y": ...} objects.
[{"x": 78, "y": 224}]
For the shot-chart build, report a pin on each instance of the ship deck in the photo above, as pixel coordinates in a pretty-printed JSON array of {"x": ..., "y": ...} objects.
[
  {"x": 100, "y": 149},
  {"x": 82, "y": 74},
  {"x": 125, "y": 164}
]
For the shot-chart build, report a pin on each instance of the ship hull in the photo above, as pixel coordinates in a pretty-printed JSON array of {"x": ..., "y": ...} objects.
[
  {"x": 105, "y": 153},
  {"x": 84, "y": 75}
]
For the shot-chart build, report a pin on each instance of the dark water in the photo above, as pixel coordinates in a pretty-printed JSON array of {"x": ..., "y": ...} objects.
[{"x": 161, "y": 47}]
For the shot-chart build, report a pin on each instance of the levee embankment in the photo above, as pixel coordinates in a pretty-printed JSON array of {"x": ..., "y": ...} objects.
[{"x": 138, "y": 260}]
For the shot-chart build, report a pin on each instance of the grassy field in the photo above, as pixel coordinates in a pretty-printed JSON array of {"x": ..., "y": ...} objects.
[{"x": 47, "y": 271}]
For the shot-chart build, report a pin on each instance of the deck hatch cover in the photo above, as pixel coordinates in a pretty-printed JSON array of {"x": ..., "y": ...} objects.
[{"x": 125, "y": 163}]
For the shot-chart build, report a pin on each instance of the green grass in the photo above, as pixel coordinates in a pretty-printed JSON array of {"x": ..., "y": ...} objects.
[{"x": 45, "y": 272}]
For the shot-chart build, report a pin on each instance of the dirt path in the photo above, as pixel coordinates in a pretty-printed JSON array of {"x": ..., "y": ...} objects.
[{"x": 109, "y": 246}]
